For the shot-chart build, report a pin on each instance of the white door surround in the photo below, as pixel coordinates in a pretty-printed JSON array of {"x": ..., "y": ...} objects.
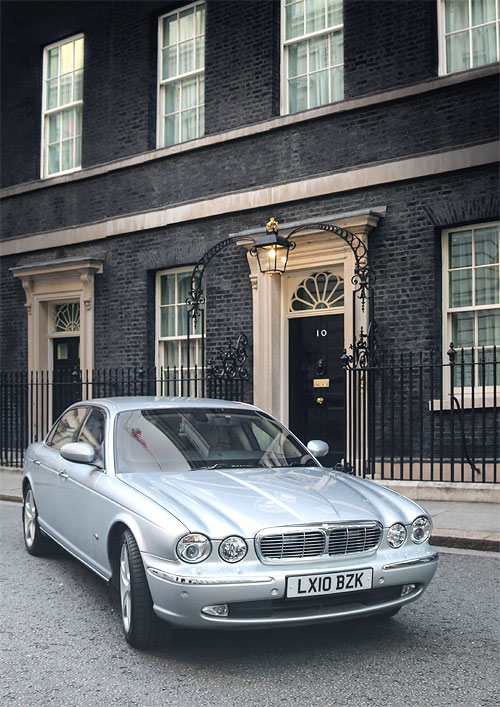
[
  {"x": 59, "y": 281},
  {"x": 315, "y": 251}
]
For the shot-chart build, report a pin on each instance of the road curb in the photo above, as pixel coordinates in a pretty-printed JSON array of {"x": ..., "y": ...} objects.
[
  {"x": 9, "y": 497},
  {"x": 488, "y": 544}
]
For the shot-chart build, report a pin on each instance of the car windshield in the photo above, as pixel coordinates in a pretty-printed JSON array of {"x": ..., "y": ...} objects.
[{"x": 203, "y": 438}]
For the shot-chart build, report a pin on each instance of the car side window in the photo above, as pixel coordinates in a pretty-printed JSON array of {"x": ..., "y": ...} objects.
[
  {"x": 92, "y": 431},
  {"x": 66, "y": 428}
]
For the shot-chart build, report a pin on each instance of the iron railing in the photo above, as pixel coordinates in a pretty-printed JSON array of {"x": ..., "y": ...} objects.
[
  {"x": 414, "y": 417},
  {"x": 31, "y": 402}
]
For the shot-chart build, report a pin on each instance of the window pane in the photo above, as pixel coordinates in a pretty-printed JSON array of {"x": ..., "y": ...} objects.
[
  {"x": 461, "y": 288},
  {"x": 171, "y": 353},
  {"x": 167, "y": 321},
  {"x": 78, "y": 86},
  {"x": 52, "y": 64},
  {"x": 78, "y": 152},
  {"x": 201, "y": 120},
  {"x": 186, "y": 57},
  {"x": 487, "y": 285},
  {"x": 463, "y": 329},
  {"x": 54, "y": 127},
  {"x": 456, "y": 14},
  {"x": 318, "y": 53},
  {"x": 337, "y": 83},
  {"x": 334, "y": 12},
  {"x": 78, "y": 120},
  {"x": 295, "y": 20},
  {"x": 201, "y": 89},
  {"x": 200, "y": 20},
  {"x": 66, "y": 155},
  {"x": 167, "y": 289},
  {"x": 52, "y": 93},
  {"x": 172, "y": 91},
  {"x": 169, "y": 62},
  {"x": 67, "y": 123},
  {"x": 486, "y": 245},
  {"x": 189, "y": 93},
  {"x": 200, "y": 52},
  {"x": 184, "y": 286},
  {"x": 484, "y": 45},
  {"x": 457, "y": 52},
  {"x": 460, "y": 244},
  {"x": 182, "y": 320},
  {"x": 65, "y": 95},
  {"x": 169, "y": 30},
  {"x": 488, "y": 328},
  {"x": 186, "y": 24},
  {"x": 54, "y": 158},
  {"x": 79, "y": 54},
  {"x": 188, "y": 125},
  {"x": 297, "y": 94},
  {"x": 171, "y": 130},
  {"x": 315, "y": 15},
  {"x": 318, "y": 89},
  {"x": 66, "y": 58},
  {"x": 483, "y": 11},
  {"x": 297, "y": 59},
  {"x": 337, "y": 48}
]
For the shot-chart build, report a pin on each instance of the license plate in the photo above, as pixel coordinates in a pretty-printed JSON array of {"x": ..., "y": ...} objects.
[{"x": 331, "y": 583}]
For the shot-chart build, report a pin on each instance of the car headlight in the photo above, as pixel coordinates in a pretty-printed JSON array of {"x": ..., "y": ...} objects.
[
  {"x": 421, "y": 529},
  {"x": 396, "y": 535},
  {"x": 233, "y": 549},
  {"x": 194, "y": 548}
]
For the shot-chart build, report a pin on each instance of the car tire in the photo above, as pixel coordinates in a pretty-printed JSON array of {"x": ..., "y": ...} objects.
[
  {"x": 141, "y": 627},
  {"x": 35, "y": 541}
]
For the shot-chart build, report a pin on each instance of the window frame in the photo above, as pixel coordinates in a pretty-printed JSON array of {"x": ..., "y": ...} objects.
[
  {"x": 160, "y": 82},
  {"x": 442, "y": 38},
  {"x": 159, "y": 340},
  {"x": 285, "y": 43},
  {"x": 44, "y": 149},
  {"x": 448, "y": 311}
]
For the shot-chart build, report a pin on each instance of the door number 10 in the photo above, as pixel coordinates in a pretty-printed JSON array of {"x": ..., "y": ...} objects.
[{"x": 321, "y": 332}]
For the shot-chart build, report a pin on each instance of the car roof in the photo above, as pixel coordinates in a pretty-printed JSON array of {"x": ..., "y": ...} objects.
[{"x": 119, "y": 404}]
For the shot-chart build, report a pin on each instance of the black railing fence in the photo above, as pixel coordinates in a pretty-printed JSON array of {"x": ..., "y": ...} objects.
[
  {"x": 412, "y": 416},
  {"x": 31, "y": 402}
]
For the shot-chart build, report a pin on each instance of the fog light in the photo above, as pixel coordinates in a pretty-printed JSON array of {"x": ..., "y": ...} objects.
[
  {"x": 407, "y": 589},
  {"x": 216, "y": 610}
]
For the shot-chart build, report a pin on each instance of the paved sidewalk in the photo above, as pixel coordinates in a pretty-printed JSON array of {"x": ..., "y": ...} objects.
[{"x": 456, "y": 524}]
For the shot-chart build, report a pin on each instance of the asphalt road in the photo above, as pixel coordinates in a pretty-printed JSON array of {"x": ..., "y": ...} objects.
[{"x": 61, "y": 644}]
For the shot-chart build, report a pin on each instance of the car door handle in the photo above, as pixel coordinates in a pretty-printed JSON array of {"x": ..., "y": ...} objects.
[
  {"x": 36, "y": 461},
  {"x": 63, "y": 475}
]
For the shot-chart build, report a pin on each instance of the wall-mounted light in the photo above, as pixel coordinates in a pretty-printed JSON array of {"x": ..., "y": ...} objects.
[{"x": 271, "y": 250}]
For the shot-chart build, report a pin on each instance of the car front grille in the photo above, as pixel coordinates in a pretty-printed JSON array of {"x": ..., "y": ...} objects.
[{"x": 333, "y": 540}]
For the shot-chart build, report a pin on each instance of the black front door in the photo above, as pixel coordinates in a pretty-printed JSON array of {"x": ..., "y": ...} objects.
[
  {"x": 66, "y": 390},
  {"x": 317, "y": 384}
]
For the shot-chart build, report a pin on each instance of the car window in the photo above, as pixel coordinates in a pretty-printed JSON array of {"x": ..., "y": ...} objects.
[
  {"x": 64, "y": 430},
  {"x": 92, "y": 431},
  {"x": 204, "y": 438}
]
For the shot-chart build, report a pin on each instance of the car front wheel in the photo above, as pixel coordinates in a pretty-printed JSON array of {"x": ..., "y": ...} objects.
[
  {"x": 141, "y": 626},
  {"x": 36, "y": 542}
]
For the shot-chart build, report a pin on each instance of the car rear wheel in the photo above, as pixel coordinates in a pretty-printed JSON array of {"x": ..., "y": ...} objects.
[
  {"x": 35, "y": 541},
  {"x": 141, "y": 626}
]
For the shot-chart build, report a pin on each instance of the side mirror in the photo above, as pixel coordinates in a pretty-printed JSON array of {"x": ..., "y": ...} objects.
[
  {"x": 79, "y": 452},
  {"x": 318, "y": 448}
]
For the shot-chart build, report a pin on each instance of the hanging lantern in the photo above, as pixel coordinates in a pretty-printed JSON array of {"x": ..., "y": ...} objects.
[{"x": 271, "y": 250}]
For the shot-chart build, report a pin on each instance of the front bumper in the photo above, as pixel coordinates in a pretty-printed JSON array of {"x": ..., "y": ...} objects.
[{"x": 256, "y": 594}]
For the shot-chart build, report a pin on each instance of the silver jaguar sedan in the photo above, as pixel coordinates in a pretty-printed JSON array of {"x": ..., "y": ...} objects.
[{"x": 207, "y": 513}]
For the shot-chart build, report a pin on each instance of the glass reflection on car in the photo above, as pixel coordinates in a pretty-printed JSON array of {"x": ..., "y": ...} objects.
[{"x": 204, "y": 438}]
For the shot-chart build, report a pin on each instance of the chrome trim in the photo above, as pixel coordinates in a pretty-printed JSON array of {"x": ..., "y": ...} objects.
[
  {"x": 210, "y": 581},
  {"x": 410, "y": 563},
  {"x": 325, "y": 529}
]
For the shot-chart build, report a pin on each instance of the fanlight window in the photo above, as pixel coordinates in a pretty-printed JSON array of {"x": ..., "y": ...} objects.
[
  {"x": 67, "y": 317},
  {"x": 322, "y": 290}
]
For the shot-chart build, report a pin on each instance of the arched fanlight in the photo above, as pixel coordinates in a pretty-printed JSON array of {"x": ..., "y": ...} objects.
[{"x": 271, "y": 250}]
